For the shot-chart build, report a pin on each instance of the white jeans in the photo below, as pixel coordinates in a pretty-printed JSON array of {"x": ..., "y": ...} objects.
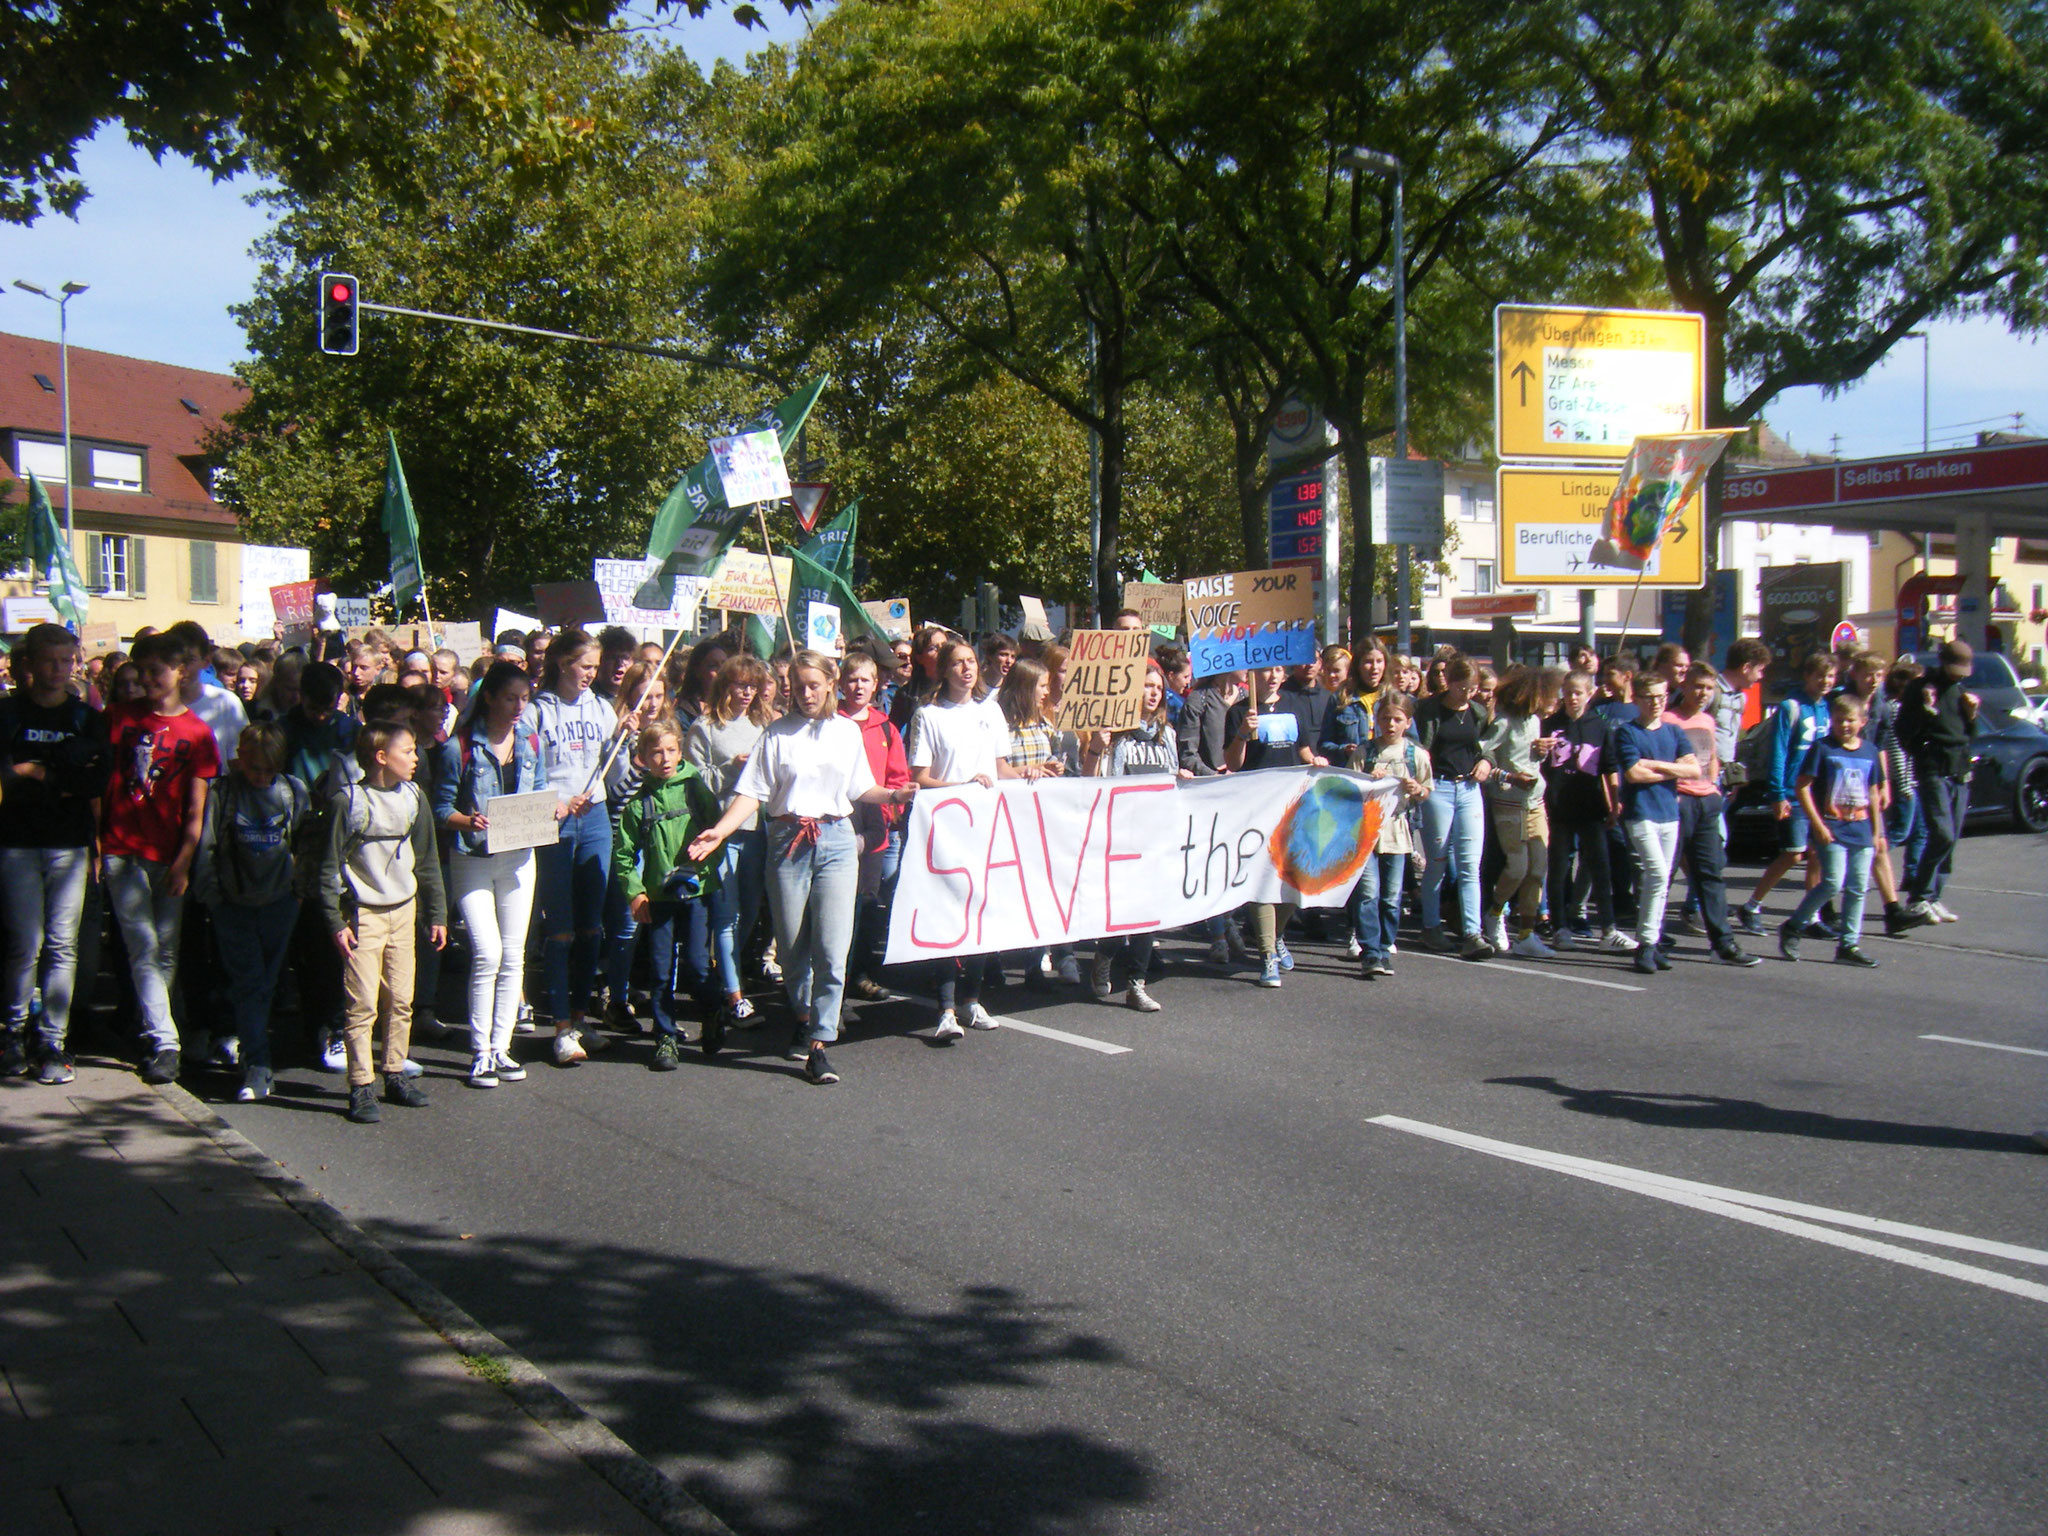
[
  {"x": 1656, "y": 847},
  {"x": 494, "y": 894}
]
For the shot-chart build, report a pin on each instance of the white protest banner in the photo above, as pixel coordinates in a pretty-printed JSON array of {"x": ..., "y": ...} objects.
[
  {"x": 265, "y": 566},
  {"x": 521, "y": 821},
  {"x": 748, "y": 583},
  {"x": 750, "y": 467},
  {"x": 1105, "y": 683},
  {"x": 891, "y": 616},
  {"x": 618, "y": 580},
  {"x": 823, "y": 630},
  {"x": 1053, "y": 861}
]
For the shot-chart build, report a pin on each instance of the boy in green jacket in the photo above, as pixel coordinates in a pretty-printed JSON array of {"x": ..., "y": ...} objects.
[{"x": 665, "y": 892}]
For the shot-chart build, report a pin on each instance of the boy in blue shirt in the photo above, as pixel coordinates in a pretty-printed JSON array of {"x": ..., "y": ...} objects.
[
  {"x": 1796, "y": 724},
  {"x": 1843, "y": 790},
  {"x": 1654, "y": 755}
]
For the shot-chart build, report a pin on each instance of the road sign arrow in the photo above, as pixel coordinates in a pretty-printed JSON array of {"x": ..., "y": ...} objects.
[
  {"x": 1522, "y": 373},
  {"x": 1678, "y": 531}
]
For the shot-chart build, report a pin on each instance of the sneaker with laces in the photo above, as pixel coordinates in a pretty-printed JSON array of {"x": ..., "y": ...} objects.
[
  {"x": 1615, "y": 942},
  {"x": 979, "y": 1017},
  {"x": 523, "y": 1024},
  {"x": 1918, "y": 914},
  {"x": 1384, "y": 966},
  {"x": 14, "y": 1057},
  {"x": 1269, "y": 973},
  {"x": 1849, "y": 954},
  {"x": 334, "y": 1053},
  {"x": 1282, "y": 954},
  {"x": 1069, "y": 970},
  {"x": 949, "y": 1027},
  {"x": 1645, "y": 960},
  {"x": 569, "y": 1051},
  {"x": 256, "y": 1085},
  {"x": 595, "y": 1041},
  {"x": 1736, "y": 955},
  {"x": 161, "y": 1067},
  {"x": 400, "y": 1089},
  {"x": 739, "y": 1009},
  {"x": 1530, "y": 947},
  {"x": 1749, "y": 918},
  {"x": 1788, "y": 941},
  {"x": 1564, "y": 938},
  {"x": 817, "y": 1069},
  {"x": 667, "y": 1057},
  {"x": 57, "y": 1069},
  {"x": 1476, "y": 948},
  {"x": 483, "y": 1071},
  {"x": 1353, "y": 950},
  {"x": 866, "y": 988},
  {"x": 362, "y": 1105},
  {"x": 509, "y": 1070},
  {"x": 1102, "y": 977},
  {"x": 1496, "y": 931},
  {"x": 1942, "y": 913},
  {"x": 1141, "y": 1000}
]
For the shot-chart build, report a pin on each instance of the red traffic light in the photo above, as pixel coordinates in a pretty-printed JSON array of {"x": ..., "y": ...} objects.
[
  {"x": 338, "y": 299},
  {"x": 340, "y": 293}
]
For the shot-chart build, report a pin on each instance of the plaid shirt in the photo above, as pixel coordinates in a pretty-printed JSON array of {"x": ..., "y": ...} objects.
[{"x": 1032, "y": 746}]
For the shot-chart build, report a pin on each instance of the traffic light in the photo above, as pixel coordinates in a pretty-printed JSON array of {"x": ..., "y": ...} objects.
[{"x": 338, "y": 314}]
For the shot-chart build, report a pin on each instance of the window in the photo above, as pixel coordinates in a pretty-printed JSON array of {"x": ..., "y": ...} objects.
[
  {"x": 1432, "y": 584},
  {"x": 1475, "y": 577},
  {"x": 116, "y": 470},
  {"x": 190, "y": 405},
  {"x": 205, "y": 589},
  {"x": 1474, "y": 505},
  {"x": 114, "y": 564},
  {"x": 2040, "y": 601},
  {"x": 49, "y": 388},
  {"x": 43, "y": 460}
]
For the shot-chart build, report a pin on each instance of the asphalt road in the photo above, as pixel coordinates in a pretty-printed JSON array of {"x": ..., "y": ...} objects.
[{"x": 1017, "y": 1285}]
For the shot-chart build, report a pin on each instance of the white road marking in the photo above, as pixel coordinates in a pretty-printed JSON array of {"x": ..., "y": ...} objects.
[
  {"x": 1063, "y": 1037},
  {"x": 1995, "y": 890},
  {"x": 1988, "y": 1045},
  {"x": 1523, "y": 970},
  {"x": 1761, "y": 1210}
]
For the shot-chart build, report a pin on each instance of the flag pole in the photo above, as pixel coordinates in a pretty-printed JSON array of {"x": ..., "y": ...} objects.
[
  {"x": 768, "y": 550},
  {"x": 1628, "y": 611},
  {"x": 619, "y": 737}
]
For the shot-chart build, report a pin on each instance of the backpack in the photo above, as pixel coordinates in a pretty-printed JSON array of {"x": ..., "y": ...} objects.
[
  {"x": 700, "y": 805},
  {"x": 223, "y": 825}
]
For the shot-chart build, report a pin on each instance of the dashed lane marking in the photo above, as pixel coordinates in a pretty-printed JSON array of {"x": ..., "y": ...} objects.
[{"x": 1986, "y": 1045}]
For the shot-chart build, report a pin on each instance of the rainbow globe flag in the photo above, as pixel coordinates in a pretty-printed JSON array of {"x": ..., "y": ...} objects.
[{"x": 1660, "y": 480}]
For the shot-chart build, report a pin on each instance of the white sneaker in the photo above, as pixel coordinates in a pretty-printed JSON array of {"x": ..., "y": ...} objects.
[
  {"x": 1352, "y": 948},
  {"x": 483, "y": 1070},
  {"x": 1942, "y": 913},
  {"x": 569, "y": 1051},
  {"x": 741, "y": 1011},
  {"x": 509, "y": 1070},
  {"x": 412, "y": 1069},
  {"x": 523, "y": 1025},
  {"x": 1615, "y": 942},
  {"x": 1070, "y": 970},
  {"x": 1530, "y": 947},
  {"x": 1137, "y": 997},
  {"x": 1497, "y": 931},
  {"x": 334, "y": 1054},
  {"x": 949, "y": 1027},
  {"x": 979, "y": 1017}
]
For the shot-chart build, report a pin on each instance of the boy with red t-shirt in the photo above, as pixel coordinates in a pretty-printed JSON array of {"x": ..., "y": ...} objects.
[{"x": 155, "y": 805}]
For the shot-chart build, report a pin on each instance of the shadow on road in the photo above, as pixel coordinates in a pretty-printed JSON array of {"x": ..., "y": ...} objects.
[
  {"x": 1706, "y": 1112},
  {"x": 800, "y": 1403}
]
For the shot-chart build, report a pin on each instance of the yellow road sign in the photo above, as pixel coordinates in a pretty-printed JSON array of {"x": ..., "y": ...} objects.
[
  {"x": 1581, "y": 384},
  {"x": 1549, "y": 518}
]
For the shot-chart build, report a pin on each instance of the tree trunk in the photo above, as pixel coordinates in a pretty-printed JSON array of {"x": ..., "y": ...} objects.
[
  {"x": 1364, "y": 553},
  {"x": 1109, "y": 592},
  {"x": 1251, "y": 490}
]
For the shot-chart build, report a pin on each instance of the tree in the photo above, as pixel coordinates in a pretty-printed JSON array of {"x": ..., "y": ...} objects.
[{"x": 302, "y": 88}]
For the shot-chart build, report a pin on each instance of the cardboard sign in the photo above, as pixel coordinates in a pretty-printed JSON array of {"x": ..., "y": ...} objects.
[
  {"x": 750, "y": 467},
  {"x": 1161, "y": 604},
  {"x": 100, "y": 639},
  {"x": 1105, "y": 687},
  {"x": 465, "y": 640},
  {"x": 568, "y": 604},
  {"x": 822, "y": 630},
  {"x": 521, "y": 821},
  {"x": 1036, "y": 626},
  {"x": 748, "y": 583},
  {"x": 891, "y": 616},
  {"x": 1248, "y": 619}
]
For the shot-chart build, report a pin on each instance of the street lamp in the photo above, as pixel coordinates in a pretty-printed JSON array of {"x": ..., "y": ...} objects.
[
  {"x": 1376, "y": 163},
  {"x": 70, "y": 292},
  {"x": 1926, "y": 539}
]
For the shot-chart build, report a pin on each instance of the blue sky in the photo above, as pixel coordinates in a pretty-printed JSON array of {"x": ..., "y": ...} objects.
[{"x": 166, "y": 251}]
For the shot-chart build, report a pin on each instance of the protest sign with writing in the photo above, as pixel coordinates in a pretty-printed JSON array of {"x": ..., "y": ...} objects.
[
  {"x": 1161, "y": 604},
  {"x": 748, "y": 583},
  {"x": 750, "y": 467},
  {"x": 521, "y": 821},
  {"x": 619, "y": 581},
  {"x": 1249, "y": 619},
  {"x": 352, "y": 612},
  {"x": 1052, "y": 861},
  {"x": 465, "y": 639},
  {"x": 292, "y": 604},
  {"x": 1036, "y": 625},
  {"x": 1105, "y": 688},
  {"x": 891, "y": 616},
  {"x": 565, "y": 604}
]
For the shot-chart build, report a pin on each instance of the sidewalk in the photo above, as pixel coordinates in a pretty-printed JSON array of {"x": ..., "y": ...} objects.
[{"x": 183, "y": 1350}]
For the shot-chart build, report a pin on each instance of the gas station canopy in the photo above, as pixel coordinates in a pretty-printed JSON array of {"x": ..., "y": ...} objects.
[{"x": 1910, "y": 494}]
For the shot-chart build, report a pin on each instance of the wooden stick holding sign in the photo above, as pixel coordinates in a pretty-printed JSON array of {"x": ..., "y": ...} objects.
[
  {"x": 619, "y": 737},
  {"x": 1105, "y": 684}
]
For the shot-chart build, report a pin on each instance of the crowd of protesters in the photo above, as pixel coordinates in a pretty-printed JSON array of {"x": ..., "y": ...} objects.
[{"x": 250, "y": 833}]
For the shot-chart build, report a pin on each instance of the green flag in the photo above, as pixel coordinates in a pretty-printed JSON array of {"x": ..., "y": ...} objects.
[
  {"x": 695, "y": 527},
  {"x": 407, "y": 579},
  {"x": 829, "y": 547},
  {"x": 827, "y": 586},
  {"x": 50, "y": 553}
]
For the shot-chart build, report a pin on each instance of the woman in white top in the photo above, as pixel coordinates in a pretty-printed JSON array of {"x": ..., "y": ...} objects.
[
  {"x": 957, "y": 739},
  {"x": 574, "y": 726},
  {"x": 806, "y": 772}
]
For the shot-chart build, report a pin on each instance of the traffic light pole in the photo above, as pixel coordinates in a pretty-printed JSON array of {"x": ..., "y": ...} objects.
[{"x": 673, "y": 354}]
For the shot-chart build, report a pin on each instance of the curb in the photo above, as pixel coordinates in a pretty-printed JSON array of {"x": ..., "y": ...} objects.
[{"x": 637, "y": 1480}]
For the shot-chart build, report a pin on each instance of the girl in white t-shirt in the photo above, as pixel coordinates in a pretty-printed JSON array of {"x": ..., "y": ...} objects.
[
  {"x": 805, "y": 773},
  {"x": 956, "y": 739}
]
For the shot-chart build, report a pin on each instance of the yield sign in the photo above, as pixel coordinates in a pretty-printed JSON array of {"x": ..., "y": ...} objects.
[{"x": 809, "y": 498}]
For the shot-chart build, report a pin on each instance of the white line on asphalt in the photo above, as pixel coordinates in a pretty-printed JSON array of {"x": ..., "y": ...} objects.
[
  {"x": 1995, "y": 890},
  {"x": 1063, "y": 1037},
  {"x": 1759, "y": 1210},
  {"x": 1523, "y": 970},
  {"x": 1988, "y": 1045}
]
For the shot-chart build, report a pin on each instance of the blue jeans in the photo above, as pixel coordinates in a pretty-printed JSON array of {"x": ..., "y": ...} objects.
[
  {"x": 1453, "y": 827},
  {"x": 1942, "y": 803},
  {"x": 1376, "y": 904},
  {"x": 253, "y": 943},
  {"x": 621, "y": 939},
  {"x": 150, "y": 920},
  {"x": 679, "y": 945},
  {"x": 573, "y": 875},
  {"x": 871, "y": 913},
  {"x": 811, "y": 897},
  {"x": 42, "y": 895},
  {"x": 1844, "y": 872},
  {"x": 742, "y": 865}
]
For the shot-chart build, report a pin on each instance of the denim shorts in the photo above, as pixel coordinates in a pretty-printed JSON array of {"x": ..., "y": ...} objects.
[{"x": 1794, "y": 831}]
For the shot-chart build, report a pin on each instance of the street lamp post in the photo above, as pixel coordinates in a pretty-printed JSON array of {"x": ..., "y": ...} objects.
[
  {"x": 70, "y": 292},
  {"x": 1374, "y": 161},
  {"x": 1926, "y": 375}
]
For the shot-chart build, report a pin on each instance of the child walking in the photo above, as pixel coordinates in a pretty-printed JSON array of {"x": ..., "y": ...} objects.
[
  {"x": 243, "y": 876},
  {"x": 379, "y": 865},
  {"x": 1843, "y": 790},
  {"x": 1514, "y": 799},
  {"x": 1377, "y": 905}
]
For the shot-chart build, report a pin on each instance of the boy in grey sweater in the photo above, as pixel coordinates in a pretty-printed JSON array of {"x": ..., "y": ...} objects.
[{"x": 378, "y": 866}]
